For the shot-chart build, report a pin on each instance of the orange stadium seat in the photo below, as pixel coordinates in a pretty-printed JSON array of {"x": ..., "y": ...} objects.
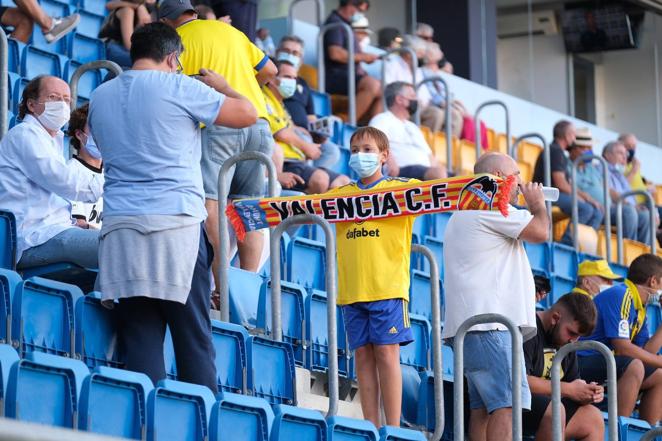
[
  {"x": 309, "y": 73},
  {"x": 491, "y": 139},
  {"x": 528, "y": 152},
  {"x": 658, "y": 195},
  {"x": 466, "y": 157},
  {"x": 526, "y": 171},
  {"x": 427, "y": 134}
]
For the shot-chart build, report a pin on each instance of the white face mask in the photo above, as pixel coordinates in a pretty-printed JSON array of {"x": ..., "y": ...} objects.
[
  {"x": 603, "y": 287},
  {"x": 55, "y": 115},
  {"x": 364, "y": 43}
]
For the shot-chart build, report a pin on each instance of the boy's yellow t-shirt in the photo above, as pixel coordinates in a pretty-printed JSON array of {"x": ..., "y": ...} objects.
[{"x": 373, "y": 256}]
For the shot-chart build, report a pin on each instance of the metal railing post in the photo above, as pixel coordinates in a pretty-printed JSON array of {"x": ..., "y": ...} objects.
[
  {"x": 606, "y": 200},
  {"x": 413, "y": 19},
  {"x": 4, "y": 85},
  {"x": 546, "y": 167},
  {"x": 619, "y": 221},
  {"x": 351, "y": 65},
  {"x": 448, "y": 129},
  {"x": 92, "y": 65},
  {"x": 477, "y": 124},
  {"x": 319, "y": 6},
  {"x": 557, "y": 429},
  {"x": 458, "y": 384},
  {"x": 223, "y": 229},
  {"x": 412, "y": 68},
  {"x": 437, "y": 362},
  {"x": 651, "y": 434},
  {"x": 331, "y": 292}
]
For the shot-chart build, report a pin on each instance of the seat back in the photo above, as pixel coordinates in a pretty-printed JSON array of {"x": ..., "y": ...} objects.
[
  {"x": 410, "y": 385},
  {"x": 388, "y": 433},
  {"x": 15, "y": 54},
  {"x": 95, "y": 6},
  {"x": 8, "y": 240},
  {"x": 90, "y": 23},
  {"x": 306, "y": 263},
  {"x": 317, "y": 357},
  {"x": 539, "y": 257},
  {"x": 245, "y": 287},
  {"x": 271, "y": 370},
  {"x": 427, "y": 405},
  {"x": 231, "y": 361},
  {"x": 9, "y": 281},
  {"x": 420, "y": 301},
  {"x": 349, "y": 429},
  {"x": 437, "y": 247},
  {"x": 8, "y": 357},
  {"x": 417, "y": 353},
  {"x": 321, "y": 103},
  {"x": 560, "y": 286},
  {"x": 309, "y": 74},
  {"x": 169, "y": 356},
  {"x": 466, "y": 158},
  {"x": 439, "y": 222},
  {"x": 296, "y": 423},
  {"x": 37, "y": 61},
  {"x": 632, "y": 429},
  {"x": 564, "y": 261},
  {"x": 97, "y": 342},
  {"x": 84, "y": 49},
  {"x": 234, "y": 414}
]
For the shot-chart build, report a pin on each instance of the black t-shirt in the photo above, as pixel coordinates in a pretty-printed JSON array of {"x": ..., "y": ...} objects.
[
  {"x": 337, "y": 37},
  {"x": 300, "y": 105},
  {"x": 558, "y": 162},
  {"x": 538, "y": 355}
]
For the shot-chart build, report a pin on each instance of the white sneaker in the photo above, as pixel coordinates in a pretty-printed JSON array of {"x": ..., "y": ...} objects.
[{"x": 61, "y": 27}]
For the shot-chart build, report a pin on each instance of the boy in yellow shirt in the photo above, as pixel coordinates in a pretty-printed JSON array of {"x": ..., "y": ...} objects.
[{"x": 373, "y": 282}]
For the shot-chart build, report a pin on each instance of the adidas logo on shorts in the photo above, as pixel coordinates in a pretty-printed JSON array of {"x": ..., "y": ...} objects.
[{"x": 393, "y": 330}]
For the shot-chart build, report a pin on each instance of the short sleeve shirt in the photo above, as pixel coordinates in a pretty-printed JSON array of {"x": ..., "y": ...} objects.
[
  {"x": 590, "y": 181},
  {"x": 407, "y": 143},
  {"x": 279, "y": 119},
  {"x": 300, "y": 105},
  {"x": 337, "y": 37},
  {"x": 619, "y": 183},
  {"x": 538, "y": 355},
  {"x": 558, "y": 163}
]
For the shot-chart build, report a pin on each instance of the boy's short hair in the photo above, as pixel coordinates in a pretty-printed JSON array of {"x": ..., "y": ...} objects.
[
  {"x": 581, "y": 308},
  {"x": 644, "y": 267},
  {"x": 372, "y": 133}
]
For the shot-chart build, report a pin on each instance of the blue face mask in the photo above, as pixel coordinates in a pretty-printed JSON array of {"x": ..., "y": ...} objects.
[
  {"x": 364, "y": 164},
  {"x": 290, "y": 58},
  {"x": 91, "y": 148},
  {"x": 287, "y": 87},
  {"x": 587, "y": 157}
]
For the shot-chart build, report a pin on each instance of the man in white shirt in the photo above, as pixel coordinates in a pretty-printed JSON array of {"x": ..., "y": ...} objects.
[
  {"x": 36, "y": 183},
  {"x": 411, "y": 156},
  {"x": 487, "y": 271}
]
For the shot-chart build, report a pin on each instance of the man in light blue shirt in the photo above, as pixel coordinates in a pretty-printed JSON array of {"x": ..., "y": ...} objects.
[
  {"x": 154, "y": 255},
  {"x": 37, "y": 184}
]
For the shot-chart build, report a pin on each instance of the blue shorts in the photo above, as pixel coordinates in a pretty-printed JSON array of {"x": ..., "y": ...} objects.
[
  {"x": 383, "y": 322},
  {"x": 488, "y": 369}
]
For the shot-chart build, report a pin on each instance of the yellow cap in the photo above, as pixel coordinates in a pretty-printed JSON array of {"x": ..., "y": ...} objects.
[{"x": 597, "y": 268}]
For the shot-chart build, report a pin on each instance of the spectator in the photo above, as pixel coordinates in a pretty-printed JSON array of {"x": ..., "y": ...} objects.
[
  {"x": 300, "y": 103},
  {"x": 572, "y": 316},
  {"x": 410, "y": 156},
  {"x": 87, "y": 159},
  {"x": 633, "y": 169},
  {"x": 205, "y": 12},
  {"x": 218, "y": 46},
  {"x": 636, "y": 218},
  {"x": 28, "y": 12},
  {"x": 36, "y": 183},
  {"x": 543, "y": 287},
  {"x": 368, "y": 89},
  {"x": 125, "y": 17},
  {"x": 425, "y": 32},
  {"x": 264, "y": 42},
  {"x": 593, "y": 277},
  {"x": 154, "y": 251},
  {"x": 622, "y": 327},
  {"x": 242, "y": 14},
  {"x": 362, "y": 32},
  {"x": 589, "y": 209},
  {"x": 398, "y": 66},
  {"x": 389, "y": 38},
  {"x": 16, "y": 19},
  {"x": 295, "y": 147},
  {"x": 484, "y": 253}
]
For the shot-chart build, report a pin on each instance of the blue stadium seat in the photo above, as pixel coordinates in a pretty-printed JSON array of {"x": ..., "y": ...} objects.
[
  {"x": 292, "y": 315},
  {"x": 9, "y": 281},
  {"x": 95, "y": 6},
  {"x": 17, "y": 92},
  {"x": 114, "y": 402},
  {"x": 439, "y": 222},
  {"x": 632, "y": 429},
  {"x": 37, "y": 61},
  {"x": 417, "y": 353},
  {"x": 15, "y": 54},
  {"x": 237, "y": 414},
  {"x": 292, "y": 423},
  {"x": 321, "y": 103},
  {"x": 89, "y": 81},
  {"x": 271, "y": 370},
  {"x": 169, "y": 356},
  {"x": 653, "y": 317},
  {"x": 564, "y": 261},
  {"x": 422, "y": 226},
  {"x": 231, "y": 361},
  {"x": 7, "y": 240},
  {"x": 178, "y": 411},
  {"x": 388, "y": 433},
  {"x": 90, "y": 23},
  {"x": 420, "y": 301},
  {"x": 560, "y": 286},
  {"x": 54, "y": 8},
  {"x": 346, "y": 134},
  {"x": 342, "y": 166},
  {"x": 621, "y": 270},
  {"x": 427, "y": 405},
  {"x": 411, "y": 382},
  {"x": 306, "y": 263},
  {"x": 245, "y": 289},
  {"x": 8, "y": 357},
  {"x": 96, "y": 333},
  {"x": 349, "y": 429},
  {"x": 539, "y": 257},
  {"x": 448, "y": 362},
  {"x": 85, "y": 49},
  {"x": 45, "y": 388},
  {"x": 13, "y": 81},
  {"x": 43, "y": 316},
  {"x": 57, "y": 9},
  {"x": 437, "y": 247},
  {"x": 317, "y": 356}
]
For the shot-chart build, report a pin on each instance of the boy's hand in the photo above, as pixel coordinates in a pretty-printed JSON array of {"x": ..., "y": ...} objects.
[
  {"x": 312, "y": 150},
  {"x": 288, "y": 180}
]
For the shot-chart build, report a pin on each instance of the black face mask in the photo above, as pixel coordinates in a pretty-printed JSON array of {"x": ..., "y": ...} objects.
[
  {"x": 442, "y": 63},
  {"x": 412, "y": 107},
  {"x": 630, "y": 155},
  {"x": 421, "y": 62}
]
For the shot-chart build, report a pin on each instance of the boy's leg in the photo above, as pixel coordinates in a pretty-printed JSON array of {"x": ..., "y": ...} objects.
[
  {"x": 390, "y": 381},
  {"x": 650, "y": 408},
  {"x": 368, "y": 378}
]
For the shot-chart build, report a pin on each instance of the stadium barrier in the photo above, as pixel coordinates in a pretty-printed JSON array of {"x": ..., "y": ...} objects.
[
  {"x": 447, "y": 123},
  {"x": 4, "y": 82},
  {"x": 606, "y": 201},
  {"x": 331, "y": 293},
  {"x": 412, "y": 67},
  {"x": 506, "y": 113},
  {"x": 437, "y": 365},
  {"x": 319, "y": 7},
  {"x": 651, "y": 434},
  {"x": 223, "y": 228},
  {"x": 92, "y": 65},
  {"x": 351, "y": 68},
  {"x": 13, "y": 430},
  {"x": 557, "y": 428},
  {"x": 652, "y": 240},
  {"x": 458, "y": 382}
]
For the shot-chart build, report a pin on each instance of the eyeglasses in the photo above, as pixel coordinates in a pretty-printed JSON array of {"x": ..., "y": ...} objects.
[
  {"x": 56, "y": 97},
  {"x": 180, "y": 67}
]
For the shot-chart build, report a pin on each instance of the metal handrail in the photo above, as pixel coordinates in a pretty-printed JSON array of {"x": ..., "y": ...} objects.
[
  {"x": 92, "y": 65},
  {"x": 458, "y": 382},
  {"x": 546, "y": 167},
  {"x": 437, "y": 362},
  {"x": 319, "y": 6},
  {"x": 412, "y": 68},
  {"x": 557, "y": 429},
  {"x": 413, "y": 19},
  {"x": 477, "y": 124},
  {"x": 4, "y": 84},
  {"x": 331, "y": 292},
  {"x": 619, "y": 221},
  {"x": 351, "y": 65},
  {"x": 448, "y": 128},
  {"x": 606, "y": 200},
  {"x": 651, "y": 434},
  {"x": 223, "y": 229}
]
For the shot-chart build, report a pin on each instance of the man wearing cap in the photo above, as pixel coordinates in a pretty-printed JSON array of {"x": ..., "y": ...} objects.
[
  {"x": 215, "y": 45},
  {"x": 593, "y": 277}
]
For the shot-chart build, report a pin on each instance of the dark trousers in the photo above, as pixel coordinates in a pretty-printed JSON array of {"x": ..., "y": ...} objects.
[
  {"x": 242, "y": 12},
  {"x": 143, "y": 323}
]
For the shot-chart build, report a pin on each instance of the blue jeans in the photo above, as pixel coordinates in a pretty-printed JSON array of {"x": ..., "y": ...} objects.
[
  {"x": 73, "y": 245},
  {"x": 636, "y": 222},
  {"x": 587, "y": 213},
  {"x": 116, "y": 52}
]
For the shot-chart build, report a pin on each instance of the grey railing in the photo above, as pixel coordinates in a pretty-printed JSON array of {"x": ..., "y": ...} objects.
[
  {"x": 546, "y": 167},
  {"x": 437, "y": 362},
  {"x": 448, "y": 129},
  {"x": 651, "y": 434},
  {"x": 606, "y": 201},
  {"x": 412, "y": 68},
  {"x": 319, "y": 6},
  {"x": 4, "y": 84},
  {"x": 458, "y": 385},
  {"x": 619, "y": 221},
  {"x": 331, "y": 291},
  {"x": 92, "y": 65},
  {"x": 351, "y": 65},
  {"x": 477, "y": 123},
  {"x": 223, "y": 229},
  {"x": 557, "y": 424}
]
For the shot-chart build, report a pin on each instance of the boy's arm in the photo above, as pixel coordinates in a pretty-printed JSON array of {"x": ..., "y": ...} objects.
[{"x": 623, "y": 346}]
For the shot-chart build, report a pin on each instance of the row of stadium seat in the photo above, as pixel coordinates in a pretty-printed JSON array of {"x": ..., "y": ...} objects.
[{"x": 57, "y": 8}]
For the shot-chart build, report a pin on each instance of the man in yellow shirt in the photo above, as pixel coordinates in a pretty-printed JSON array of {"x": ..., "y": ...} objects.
[{"x": 216, "y": 45}]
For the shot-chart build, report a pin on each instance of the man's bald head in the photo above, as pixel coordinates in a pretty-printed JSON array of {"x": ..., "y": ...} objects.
[
  {"x": 496, "y": 163},
  {"x": 629, "y": 140}
]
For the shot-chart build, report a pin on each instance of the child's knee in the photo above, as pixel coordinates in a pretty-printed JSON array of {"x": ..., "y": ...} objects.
[{"x": 387, "y": 354}]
